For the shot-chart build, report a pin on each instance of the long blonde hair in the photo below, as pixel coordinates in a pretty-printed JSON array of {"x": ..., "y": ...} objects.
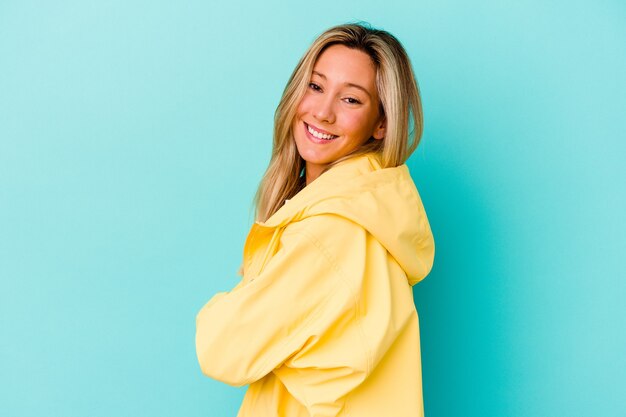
[{"x": 400, "y": 103}]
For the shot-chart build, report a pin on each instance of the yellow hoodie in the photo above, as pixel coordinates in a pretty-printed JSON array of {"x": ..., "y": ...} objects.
[{"x": 323, "y": 322}]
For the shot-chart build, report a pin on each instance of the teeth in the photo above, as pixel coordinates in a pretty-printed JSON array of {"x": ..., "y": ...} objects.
[{"x": 320, "y": 135}]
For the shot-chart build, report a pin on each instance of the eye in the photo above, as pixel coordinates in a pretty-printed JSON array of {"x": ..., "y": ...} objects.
[
  {"x": 314, "y": 86},
  {"x": 354, "y": 100}
]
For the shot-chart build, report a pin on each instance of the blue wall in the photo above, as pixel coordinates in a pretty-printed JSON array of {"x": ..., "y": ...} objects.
[{"x": 132, "y": 138}]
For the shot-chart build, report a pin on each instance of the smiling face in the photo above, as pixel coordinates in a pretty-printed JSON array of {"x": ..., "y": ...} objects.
[{"x": 340, "y": 109}]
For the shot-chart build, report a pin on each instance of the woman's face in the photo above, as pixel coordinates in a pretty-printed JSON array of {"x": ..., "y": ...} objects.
[{"x": 340, "y": 106}]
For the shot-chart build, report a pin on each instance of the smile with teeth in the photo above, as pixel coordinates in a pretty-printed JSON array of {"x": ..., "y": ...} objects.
[{"x": 319, "y": 135}]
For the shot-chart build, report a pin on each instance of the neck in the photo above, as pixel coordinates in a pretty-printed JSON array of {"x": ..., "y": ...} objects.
[{"x": 312, "y": 173}]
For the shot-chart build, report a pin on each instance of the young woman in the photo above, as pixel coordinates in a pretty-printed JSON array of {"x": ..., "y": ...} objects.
[{"x": 323, "y": 321}]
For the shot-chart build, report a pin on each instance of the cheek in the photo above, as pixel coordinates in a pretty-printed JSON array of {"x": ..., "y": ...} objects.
[
  {"x": 356, "y": 122},
  {"x": 305, "y": 104},
  {"x": 297, "y": 118}
]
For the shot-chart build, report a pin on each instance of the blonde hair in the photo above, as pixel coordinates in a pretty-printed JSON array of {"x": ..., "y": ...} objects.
[{"x": 400, "y": 103}]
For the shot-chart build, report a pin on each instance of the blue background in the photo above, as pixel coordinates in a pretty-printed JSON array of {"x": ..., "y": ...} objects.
[{"x": 133, "y": 136}]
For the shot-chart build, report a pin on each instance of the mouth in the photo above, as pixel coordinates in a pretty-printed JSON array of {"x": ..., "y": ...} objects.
[{"x": 316, "y": 136}]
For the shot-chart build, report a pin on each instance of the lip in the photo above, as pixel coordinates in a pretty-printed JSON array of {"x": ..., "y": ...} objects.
[
  {"x": 313, "y": 138},
  {"x": 319, "y": 130}
]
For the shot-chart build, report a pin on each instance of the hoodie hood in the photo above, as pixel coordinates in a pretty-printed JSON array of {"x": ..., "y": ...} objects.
[{"x": 384, "y": 201}]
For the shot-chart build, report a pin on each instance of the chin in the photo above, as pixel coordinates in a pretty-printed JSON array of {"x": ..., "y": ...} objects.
[{"x": 313, "y": 156}]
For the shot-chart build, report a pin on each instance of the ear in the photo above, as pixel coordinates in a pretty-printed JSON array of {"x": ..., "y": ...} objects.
[{"x": 380, "y": 129}]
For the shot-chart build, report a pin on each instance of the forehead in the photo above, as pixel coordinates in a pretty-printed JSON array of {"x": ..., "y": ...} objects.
[{"x": 341, "y": 64}]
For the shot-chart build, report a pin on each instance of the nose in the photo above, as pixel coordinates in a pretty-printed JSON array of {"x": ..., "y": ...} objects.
[{"x": 323, "y": 110}]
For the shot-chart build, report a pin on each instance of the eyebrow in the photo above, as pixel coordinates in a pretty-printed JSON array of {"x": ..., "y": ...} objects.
[{"x": 348, "y": 84}]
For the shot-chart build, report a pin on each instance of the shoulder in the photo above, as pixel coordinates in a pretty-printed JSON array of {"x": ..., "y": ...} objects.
[
  {"x": 334, "y": 238},
  {"x": 328, "y": 229}
]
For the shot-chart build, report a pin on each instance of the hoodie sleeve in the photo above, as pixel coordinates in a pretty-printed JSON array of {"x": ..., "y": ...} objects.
[{"x": 244, "y": 334}]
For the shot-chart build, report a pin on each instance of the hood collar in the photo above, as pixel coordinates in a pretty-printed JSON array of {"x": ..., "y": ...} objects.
[{"x": 384, "y": 201}]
